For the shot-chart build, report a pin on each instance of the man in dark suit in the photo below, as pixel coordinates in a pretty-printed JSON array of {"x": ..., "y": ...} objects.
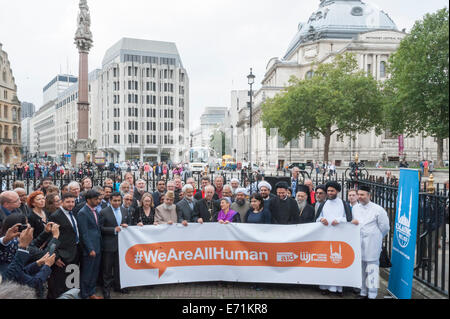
[
  {"x": 307, "y": 212},
  {"x": 127, "y": 206},
  {"x": 284, "y": 208},
  {"x": 185, "y": 207},
  {"x": 207, "y": 209},
  {"x": 9, "y": 203},
  {"x": 111, "y": 220},
  {"x": 139, "y": 190},
  {"x": 68, "y": 251},
  {"x": 90, "y": 237},
  {"x": 160, "y": 190}
]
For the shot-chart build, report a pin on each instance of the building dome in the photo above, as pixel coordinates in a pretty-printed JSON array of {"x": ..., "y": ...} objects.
[{"x": 341, "y": 19}]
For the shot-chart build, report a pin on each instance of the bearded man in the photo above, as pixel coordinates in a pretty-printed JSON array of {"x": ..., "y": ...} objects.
[
  {"x": 241, "y": 204},
  {"x": 307, "y": 212}
]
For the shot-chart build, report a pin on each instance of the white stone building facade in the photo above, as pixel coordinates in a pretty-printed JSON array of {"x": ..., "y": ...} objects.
[{"x": 337, "y": 27}]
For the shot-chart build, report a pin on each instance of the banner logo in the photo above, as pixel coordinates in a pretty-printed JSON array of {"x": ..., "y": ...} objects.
[
  {"x": 238, "y": 253},
  {"x": 403, "y": 224},
  {"x": 336, "y": 257}
]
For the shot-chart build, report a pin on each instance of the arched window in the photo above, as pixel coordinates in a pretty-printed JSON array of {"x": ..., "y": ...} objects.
[{"x": 309, "y": 74}]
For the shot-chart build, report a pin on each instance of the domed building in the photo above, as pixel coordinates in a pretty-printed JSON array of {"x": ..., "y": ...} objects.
[
  {"x": 10, "y": 113},
  {"x": 336, "y": 27}
]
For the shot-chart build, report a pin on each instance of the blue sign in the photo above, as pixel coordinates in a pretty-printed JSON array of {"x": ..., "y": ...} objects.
[
  {"x": 404, "y": 241},
  {"x": 67, "y": 155}
]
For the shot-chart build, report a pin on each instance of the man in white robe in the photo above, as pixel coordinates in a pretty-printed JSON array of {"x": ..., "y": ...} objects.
[
  {"x": 333, "y": 213},
  {"x": 374, "y": 223}
]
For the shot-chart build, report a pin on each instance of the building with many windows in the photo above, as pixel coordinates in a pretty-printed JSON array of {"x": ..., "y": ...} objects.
[
  {"x": 139, "y": 106},
  {"x": 10, "y": 114},
  {"x": 141, "y": 100}
]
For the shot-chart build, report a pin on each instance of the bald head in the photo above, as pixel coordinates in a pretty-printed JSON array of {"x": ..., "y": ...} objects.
[{"x": 10, "y": 200}]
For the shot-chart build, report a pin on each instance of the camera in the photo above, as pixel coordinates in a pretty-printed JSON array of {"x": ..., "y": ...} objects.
[{"x": 22, "y": 227}]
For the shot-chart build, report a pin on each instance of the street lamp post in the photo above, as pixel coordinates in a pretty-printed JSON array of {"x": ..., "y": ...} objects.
[
  {"x": 132, "y": 140},
  {"x": 67, "y": 126},
  {"x": 251, "y": 81}
]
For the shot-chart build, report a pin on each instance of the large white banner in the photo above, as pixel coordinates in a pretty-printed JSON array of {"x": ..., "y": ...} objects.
[{"x": 295, "y": 254}]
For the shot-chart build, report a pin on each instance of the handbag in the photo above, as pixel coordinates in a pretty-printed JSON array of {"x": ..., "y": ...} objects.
[{"x": 385, "y": 262}]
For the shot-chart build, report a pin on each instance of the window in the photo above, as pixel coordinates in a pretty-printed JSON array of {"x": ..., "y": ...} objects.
[
  {"x": 309, "y": 74},
  {"x": 294, "y": 143},
  {"x": 382, "y": 69},
  {"x": 14, "y": 114},
  {"x": 308, "y": 141},
  {"x": 281, "y": 143}
]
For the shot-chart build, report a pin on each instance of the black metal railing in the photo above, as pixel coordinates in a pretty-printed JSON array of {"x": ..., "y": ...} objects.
[{"x": 431, "y": 248}]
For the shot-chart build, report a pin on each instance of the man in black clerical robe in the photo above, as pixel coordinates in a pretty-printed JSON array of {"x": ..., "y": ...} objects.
[{"x": 284, "y": 209}]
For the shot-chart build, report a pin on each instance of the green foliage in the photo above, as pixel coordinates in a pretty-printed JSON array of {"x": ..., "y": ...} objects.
[
  {"x": 416, "y": 95},
  {"x": 416, "y": 99},
  {"x": 337, "y": 99}
]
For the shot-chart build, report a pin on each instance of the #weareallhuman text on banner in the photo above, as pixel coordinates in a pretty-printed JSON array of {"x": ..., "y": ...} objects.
[{"x": 298, "y": 254}]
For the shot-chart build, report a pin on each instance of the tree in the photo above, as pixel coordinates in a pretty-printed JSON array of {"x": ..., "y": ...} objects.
[
  {"x": 336, "y": 99},
  {"x": 416, "y": 95}
]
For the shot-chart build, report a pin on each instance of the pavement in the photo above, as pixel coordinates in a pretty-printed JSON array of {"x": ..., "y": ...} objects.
[
  {"x": 231, "y": 290},
  {"x": 224, "y": 290}
]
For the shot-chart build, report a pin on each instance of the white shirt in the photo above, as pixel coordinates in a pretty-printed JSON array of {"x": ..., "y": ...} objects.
[
  {"x": 374, "y": 223},
  {"x": 333, "y": 210},
  {"x": 70, "y": 220}
]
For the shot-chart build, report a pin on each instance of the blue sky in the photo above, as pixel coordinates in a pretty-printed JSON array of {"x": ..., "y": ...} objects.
[{"x": 218, "y": 40}]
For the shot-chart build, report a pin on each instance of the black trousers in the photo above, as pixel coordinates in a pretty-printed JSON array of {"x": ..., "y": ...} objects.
[
  {"x": 110, "y": 270},
  {"x": 57, "y": 281}
]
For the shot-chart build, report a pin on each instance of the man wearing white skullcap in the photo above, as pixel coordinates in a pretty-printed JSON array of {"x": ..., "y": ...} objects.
[
  {"x": 241, "y": 204},
  {"x": 264, "y": 189},
  {"x": 234, "y": 185}
]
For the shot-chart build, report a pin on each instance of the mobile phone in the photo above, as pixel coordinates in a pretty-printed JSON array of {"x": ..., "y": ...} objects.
[{"x": 22, "y": 227}]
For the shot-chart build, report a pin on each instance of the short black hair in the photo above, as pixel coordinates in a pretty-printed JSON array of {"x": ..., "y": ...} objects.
[
  {"x": 90, "y": 194},
  {"x": 67, "y": 195},
  {"x": 108, "y": 187},
  {"x": 282, "y": 185},
  {"x": 64, "y": 185},
  {"x": 116, "y": 194},
  {"x": 322, "y": 187}
]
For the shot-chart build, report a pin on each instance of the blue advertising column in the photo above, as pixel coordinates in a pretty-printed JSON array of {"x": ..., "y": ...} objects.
[{"x": 404, "y": 241}]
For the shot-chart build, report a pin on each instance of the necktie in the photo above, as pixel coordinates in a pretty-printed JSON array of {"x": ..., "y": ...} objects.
[
  {"x": 74, "y": 227},
  {"x": 95, "y": 215}
]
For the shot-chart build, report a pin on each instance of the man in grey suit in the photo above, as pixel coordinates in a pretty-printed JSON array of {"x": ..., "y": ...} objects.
[
  {"x": 185, "y": 207},
  {"x": 111, "y": 220}
]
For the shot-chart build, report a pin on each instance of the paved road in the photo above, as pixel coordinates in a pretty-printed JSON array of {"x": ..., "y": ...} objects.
[{"x": 235, "y": 291}]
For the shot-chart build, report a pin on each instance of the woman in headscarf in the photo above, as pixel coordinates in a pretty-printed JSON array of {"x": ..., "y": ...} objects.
[{"x": 226, "y": 215}]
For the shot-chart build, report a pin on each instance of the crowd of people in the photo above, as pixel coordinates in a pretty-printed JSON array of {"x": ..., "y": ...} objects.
[{"x": 44, "y": 233}]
